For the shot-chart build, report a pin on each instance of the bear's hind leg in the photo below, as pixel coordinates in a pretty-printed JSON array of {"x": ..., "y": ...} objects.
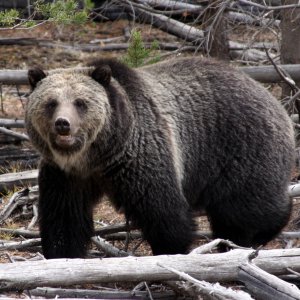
[
  {"x": 165, "y": 220},
  {"x": 249, "y": 224},
  {"x": 170, "y": 234}
]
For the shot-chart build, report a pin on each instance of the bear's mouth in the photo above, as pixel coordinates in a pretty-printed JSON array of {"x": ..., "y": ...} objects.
[
  {"x": 66, "y": 144},
  {"x": 65, "y": 140}
]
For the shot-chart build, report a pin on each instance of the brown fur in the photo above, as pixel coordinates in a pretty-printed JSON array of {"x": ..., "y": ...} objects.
[{"x": 160, "y": 141}]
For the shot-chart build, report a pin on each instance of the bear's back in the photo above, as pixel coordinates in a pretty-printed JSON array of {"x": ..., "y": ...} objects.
[{"x": 219, "y": 117}]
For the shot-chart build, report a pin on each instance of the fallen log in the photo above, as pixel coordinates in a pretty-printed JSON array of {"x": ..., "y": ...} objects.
[
  {"x": 17, "y": 135},
  {"x": 12, "y": 123},
  {"x": 265, "y": 286},
  {"x": 171, "y": 5},
  {"x": 206, "y": 289},
  {"x": 294, "y": 190},
  {"x": 14, "y": 77},
  {"x": 10, "y": 180},
  {"x": 265, "y": 74},
  {"x": 100, "y": 294},
  {"x": 268, "y": 74},
  {"x": 65, "y": 272},
  {"x": 179, "y": 29}
]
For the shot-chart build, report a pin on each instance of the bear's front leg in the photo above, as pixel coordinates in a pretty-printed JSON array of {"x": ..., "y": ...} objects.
[{"x": 65, "y": 213}]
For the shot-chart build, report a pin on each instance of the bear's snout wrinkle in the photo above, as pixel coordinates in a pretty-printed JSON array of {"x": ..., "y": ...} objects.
[{"x": 62, "y": 126}]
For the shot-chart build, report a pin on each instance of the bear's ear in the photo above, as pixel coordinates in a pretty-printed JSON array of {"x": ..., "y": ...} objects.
[
  {"x": 34, "y": 76},
  {"x": 102, "y": 75}
]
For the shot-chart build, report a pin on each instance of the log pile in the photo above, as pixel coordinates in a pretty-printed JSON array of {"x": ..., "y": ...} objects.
[{"x": 266, "y": 274}]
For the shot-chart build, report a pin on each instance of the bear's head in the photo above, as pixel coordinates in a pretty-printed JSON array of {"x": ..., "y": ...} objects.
[{"x": 66, "y": 111}]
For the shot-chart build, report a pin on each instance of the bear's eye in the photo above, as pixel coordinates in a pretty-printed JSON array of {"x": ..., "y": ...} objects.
[
  {"x": 51, "y": 104},
  {"x": 80, "y": 104}
]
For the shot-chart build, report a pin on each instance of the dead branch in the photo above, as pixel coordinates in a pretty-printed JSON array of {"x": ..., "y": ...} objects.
[
  {"x": 266, "y": 7},
  {"x": 283, "y": 74},
  {"x": 108, "y": 249},
  {"x": 21, "y": 232},
  {"x": 64, "y": 272},
  {"x": 184, "y": 31},
  {"x": 35, "y": 216},
  {"x": 289, "y": 235},
  {"x": 294, "y": 190},
  {"x": 20, "y": 136},
  {"x": 260, "y": 73},
  {"x": 242, "y": 18},
  {"x": 104, "y": 231},
  {"x": 172, "y": 5},
  {"x": 94, "y": 46},
  {"x": 14, "y": 77},
  {"x": 12, "y": 123},
  {"x": 25, "y": 196},
  {"x": 247, "y": 54},
  {"x": 20, "y": 245},
  {"x": 268, "y": 73},
  {"x": 110, "y": 229},
  {"x": 9, "y": 180},
  {"x": 208, "y": 247},
  {"x": 123, "y": 236},
  {"x": 97, "y": 294},
  {"x": 210, "y": 291},
  {"x": 265, "y": 286}
]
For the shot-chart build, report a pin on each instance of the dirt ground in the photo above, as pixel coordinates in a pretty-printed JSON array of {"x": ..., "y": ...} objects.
[{"x": 13, "y": 100}]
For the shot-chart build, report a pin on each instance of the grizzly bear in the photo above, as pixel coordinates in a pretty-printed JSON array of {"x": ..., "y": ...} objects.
[{"x": 161, "y": 142}]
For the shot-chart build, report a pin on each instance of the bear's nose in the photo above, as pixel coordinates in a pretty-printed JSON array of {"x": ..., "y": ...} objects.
[{"x": 62, "y": 126}]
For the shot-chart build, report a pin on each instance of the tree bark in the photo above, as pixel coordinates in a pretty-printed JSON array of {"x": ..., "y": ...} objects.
[
  {"x": 222, "y": 267},
  {"x": 217, "y": 43}
]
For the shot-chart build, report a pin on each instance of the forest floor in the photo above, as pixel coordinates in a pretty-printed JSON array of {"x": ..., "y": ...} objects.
[{"x": 13, "y": 102}]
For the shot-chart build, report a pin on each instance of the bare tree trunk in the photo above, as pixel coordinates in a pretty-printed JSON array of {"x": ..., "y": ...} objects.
[
  {"x": 290, "y": 41},
  {"x": 217, "y": 43},
  {"x": 220, "y": 44}
]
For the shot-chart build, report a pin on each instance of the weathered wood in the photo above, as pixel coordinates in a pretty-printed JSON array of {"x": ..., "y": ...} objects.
[
  {"x": 208, "y": 290},
  {"x": 23, "y": 157},
  {"x": 94, "y": 46},
  {"x": 242, "y": 18},
  {"x": 172, "y": 5},
  {"x": 184, "y": 31},
  {"x": 259, "y": 73},
  {"x": 10, "y": 180},
  {"x": 268, "y": 73},
  {"x": 13, "y": 77},
  {"x": 21, "y": 232},
  {"x": 12, "y": 123},
  {"x": 99, "y": 294},
  {"x": 294, "y": 190},
  {"x": 64, "y": 272},
  {"x": 20, "y": 245},
  {"x": 265, "y": 286},
  {"x": 247, "y": 54},
  {"x": 19, "y": 136},
  {"x": 25, "y": 196},
  {"x": 109, "y": 249}
]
